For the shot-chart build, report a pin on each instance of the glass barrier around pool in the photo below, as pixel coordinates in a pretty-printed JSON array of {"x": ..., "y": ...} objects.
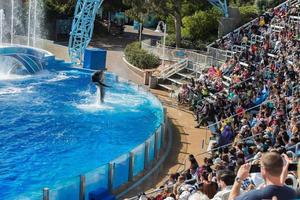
[{"x": 113, "y": 175}]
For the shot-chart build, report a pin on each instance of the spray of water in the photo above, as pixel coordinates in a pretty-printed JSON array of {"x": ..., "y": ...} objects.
[
  {"x": 34, "y": 22},
  {"x": 12, "y": 22},
  {"x": 1, "y": 25},
  {"x": 29, "y": 23},
  {"x": 98, "y": 96}
]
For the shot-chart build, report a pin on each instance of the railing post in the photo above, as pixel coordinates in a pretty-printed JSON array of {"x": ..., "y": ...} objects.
[
  {"x": 117, "y": 79},
  {"x": 163, "y": 135},
  {"x": 147, "y": 146},
  {"x": 82, "y": 188},
  {"x": 131, "y": 165},
  {"x": 156, "y": 153},
  {"x": 111, "y": 169},
  {"x": 46, "y": 194}
]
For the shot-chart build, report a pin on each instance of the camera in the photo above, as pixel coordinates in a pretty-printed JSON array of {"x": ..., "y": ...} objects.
[{"x": 256, "y": 168}]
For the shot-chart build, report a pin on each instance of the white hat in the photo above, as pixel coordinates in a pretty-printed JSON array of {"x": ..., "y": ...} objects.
[
  {"x": 184, "y": 195},
  {"x": 217, "y": 161}
]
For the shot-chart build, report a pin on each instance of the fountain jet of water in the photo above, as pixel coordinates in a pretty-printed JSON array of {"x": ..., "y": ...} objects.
[
  {"x": 98, "y": 95},
  {"x": 29, "y": 22},
  {"x": 12, "y": 23},
  {"x": 34, "y": 22},
  {"x": 1, "y": 25}
]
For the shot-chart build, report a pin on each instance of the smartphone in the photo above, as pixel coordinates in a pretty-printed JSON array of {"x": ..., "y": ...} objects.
[
  {"x": 298, "y": 150},
  {"x": 256, "y": 168}
]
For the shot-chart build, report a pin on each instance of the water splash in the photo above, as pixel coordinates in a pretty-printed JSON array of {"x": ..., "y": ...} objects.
[
  {"x": 29, "y": 22},
  {"x": 91, "y": 102},
  {"x": 98, "y": 96},
  {"x": 12, "y": 23},
  {"x": 34, "y": 22},
  {"x": 1, "y": 25}
]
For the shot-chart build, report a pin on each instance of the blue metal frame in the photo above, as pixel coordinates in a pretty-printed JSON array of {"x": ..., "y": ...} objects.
[
  {"x": 221, "y": 4},
  {"x": 82, "y": 28}
]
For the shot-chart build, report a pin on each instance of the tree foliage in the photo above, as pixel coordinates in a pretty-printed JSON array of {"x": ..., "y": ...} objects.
[
  {"x": 201, "y": 25},
  {"x": 138, "y": 9},
  {"x": 61, "y": 6}
]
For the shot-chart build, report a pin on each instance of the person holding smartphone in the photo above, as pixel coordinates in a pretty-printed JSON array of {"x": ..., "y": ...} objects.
[{"x": 273, "y": 171}]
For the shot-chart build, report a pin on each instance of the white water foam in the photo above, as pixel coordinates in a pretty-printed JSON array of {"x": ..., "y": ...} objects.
[
  {"x": 10, "y": 90},
  {"x": 91, "y": 102},
  {"x": 10, "y": 77},
  {"x": 15, "y": 90},
  {"x": 60, "y": 77}
]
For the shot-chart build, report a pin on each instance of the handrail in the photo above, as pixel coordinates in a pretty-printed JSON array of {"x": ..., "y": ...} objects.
[
  {"x": 170, "y": 54},
  {"x": 172, "y": 69}
]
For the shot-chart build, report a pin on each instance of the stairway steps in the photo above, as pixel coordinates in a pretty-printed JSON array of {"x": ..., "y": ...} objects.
[
  {"x": 176, "y": 81},
  {"x": 169, "y": 87},
  {"x": 186, "y": 75}
]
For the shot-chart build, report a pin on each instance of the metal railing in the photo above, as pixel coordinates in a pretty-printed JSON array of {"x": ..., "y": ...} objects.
[
  {"x": 175, "y": 54},
  {"x": 173, "y": 69}
]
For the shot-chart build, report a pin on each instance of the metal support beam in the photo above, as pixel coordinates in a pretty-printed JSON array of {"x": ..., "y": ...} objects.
[
  {"x": 111, "y": 176},
  {"x": 46, "y": 194},
  {"x": 82, "y": 28},
  {"x": 146, "y": 161},
  {"x": 131, "y": 165},
  {"x": 82, "y": 188}
]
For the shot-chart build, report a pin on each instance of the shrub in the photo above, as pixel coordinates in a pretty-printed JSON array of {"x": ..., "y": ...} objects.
[
  {"x": 248, "y": 13},
  {"x": 139, "y": 57}
]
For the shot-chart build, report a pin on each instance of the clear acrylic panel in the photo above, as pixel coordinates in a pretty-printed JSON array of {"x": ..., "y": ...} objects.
[
  {"x": 96, "y": 179},
  {"x": 121, "y": 171},
  {"x": 68, "y": 189},
  {"x": 152, "y": 147},
  {"x": 139, "y": 159}
]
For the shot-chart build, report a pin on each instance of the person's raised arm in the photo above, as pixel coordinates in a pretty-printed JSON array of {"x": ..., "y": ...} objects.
[
  {"x": 285, "y": 168},
  {"x": 242, "y": 174}
]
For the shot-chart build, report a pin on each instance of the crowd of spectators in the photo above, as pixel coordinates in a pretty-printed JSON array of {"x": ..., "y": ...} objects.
[{"x": 255, "y": 118}]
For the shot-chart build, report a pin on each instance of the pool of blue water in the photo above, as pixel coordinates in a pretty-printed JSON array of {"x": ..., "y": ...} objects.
[{"x": 52, "y": 129}]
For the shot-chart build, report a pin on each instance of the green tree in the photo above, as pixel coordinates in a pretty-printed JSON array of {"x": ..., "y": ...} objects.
[
  {"x": 167, "y": 10},
  {"x": 201, "y": 25},
  {"x": 61, "y": 6},
  {"x": 177, "y": 9},
  {"x": 138, "y": 9}
]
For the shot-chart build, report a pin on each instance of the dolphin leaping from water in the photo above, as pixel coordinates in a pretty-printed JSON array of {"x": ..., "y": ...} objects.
[{"x": 98, "y": 78}]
